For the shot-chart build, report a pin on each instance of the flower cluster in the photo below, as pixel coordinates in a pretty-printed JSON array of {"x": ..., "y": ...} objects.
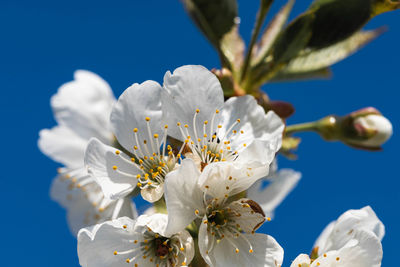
[{"x": 202, "y": 161}]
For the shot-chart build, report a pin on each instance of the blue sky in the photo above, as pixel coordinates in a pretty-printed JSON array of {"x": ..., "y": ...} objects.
[{"x": 43, "y": 42}]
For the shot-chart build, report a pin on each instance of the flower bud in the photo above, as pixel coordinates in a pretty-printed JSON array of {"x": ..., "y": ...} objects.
[
  {"x": 366, "y": 128},
  {"x": 376, "y": 128}
]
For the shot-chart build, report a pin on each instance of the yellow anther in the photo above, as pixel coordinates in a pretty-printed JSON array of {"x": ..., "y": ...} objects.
[
  {"x": 244, "y": 144},
  {"x": 138, "y": 176},
  {"x": 198, "y": 139},
  {"x": 207, "y": 186},
  {"x": 135, "y": 242},
  {"x": 219, "y": 126},
  {"x": 124, "y": 226},
  {"x": 145, "y": 157},
  {"x": 165, "y": 126},
  {"x": 227, "y": 188},
  {"x": 128, "y": 260},
  {"x": 182, "y": 249},
  {"x": 145, "y": 241},
  {"x": 337, "y": 259},
  {"x": 318, "y": 264},
  {"x": 214, "y": 136},
  {"x": 115, "y": 168},
  {"x": 139, "y": 184},
  {"x": 133, "y": 159},
  {"x": 101, "y": 209},
  {"x": 144, "y": 256},
  {"x": 205, "y": 135},
  {"x": 135, "y": 147},
  {"x": 196, "y": 212},
  {"x": 149, "y": 183},
  {"x": 186, "y": 126},
  {"x": 179, "y": 124},
  {"x": 237, "y": 250},
  {"x": 197, "y": 110},
  {"x": 183, "y": 264},
  {"x": 165, "y": 243},
  {"x": 217, "y": 111},
  {"x": 156, "y": 136},
  {"x": 178, "y": 155},
  {"x": 205, "y": 221},
  {"x": 156, "y": 235},
  {"x": 241, "y": 131},
  {"x": 234, "y": 131},
  {"x": 115, "y": 252},
  {"x": 269, "y": 219},
  {"x": 238, "y": 120},
  {"x": 140, "y": 161},
  {"x": 251, "y": 251},
  {"x": 147, "y": 119},
  {"x": 228, "y": 147},
  {"x": 325, "y": 255},
  {"x": 117, "y": 152},
  {"x": 205, "y": 122},
  {"x": 230, "y": 177},
  {"x": 135, "y": 130}
]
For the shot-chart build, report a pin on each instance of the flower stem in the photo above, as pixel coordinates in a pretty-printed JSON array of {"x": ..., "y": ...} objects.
[
  {"x": 262, "y": 13},
  {"x": 302, "y": 127}
]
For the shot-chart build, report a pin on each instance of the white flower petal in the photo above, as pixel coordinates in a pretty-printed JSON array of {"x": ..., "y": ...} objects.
[
  {"x": 345, "y": 227},
  {"x": 62, "y": 145},
  {"x": 262, "y": 151},
  {"x": 281, "y": 184},
  {"x": 133, "y": 106},
  {"x": 365, "y": 250},
  {"x": 266, "y": 252},
  {"x": 84, "y": 201},
  {"x": 115, "y": 175},
  {"x": 189, "y": 88},
  {"x": 254, "y": 123},
  {"x": 152, "y": 194},
  {"x": 84, "y": 105},
  {"x": 230, "y": 178},
  {"x": 138, "y": 242},
  {"x": 96, "y": 245},
  {"x": 182, "y": 196},
  {"x": 206, "y": 243},
  {"x": 303, "y": 260},
  {"x": 251, "y": 214}
]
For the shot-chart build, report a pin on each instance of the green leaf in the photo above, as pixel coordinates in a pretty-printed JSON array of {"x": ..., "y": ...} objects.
[
  {"x": 293, "y": 39},
  {"x": 324, "y": 73},
  {"x": 271, "y": 33},
  {"x": 382, "y": 6},
  {"x": 335, "y": 20},
  {"x": 232, "y": 46},
  {"x": 215, "y": 19},
  {"x": 315, "y": 59}
]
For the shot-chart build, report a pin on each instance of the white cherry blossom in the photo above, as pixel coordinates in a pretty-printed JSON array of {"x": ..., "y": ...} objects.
[
  {"x": 140, "y": 242},
  {"x": 279, "y": 185},
  {"x": 363, "y": 250},
  {"x": 214, "y": 131},
  {"x": 84, "y": 200},
  {"x": 353, "y": 240},
  {"x": 145, "y": 158},
  {"x": 339, "y": 232},
  {"x": 227, "y": 228},
  {"x": 81, "y": 108}
]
